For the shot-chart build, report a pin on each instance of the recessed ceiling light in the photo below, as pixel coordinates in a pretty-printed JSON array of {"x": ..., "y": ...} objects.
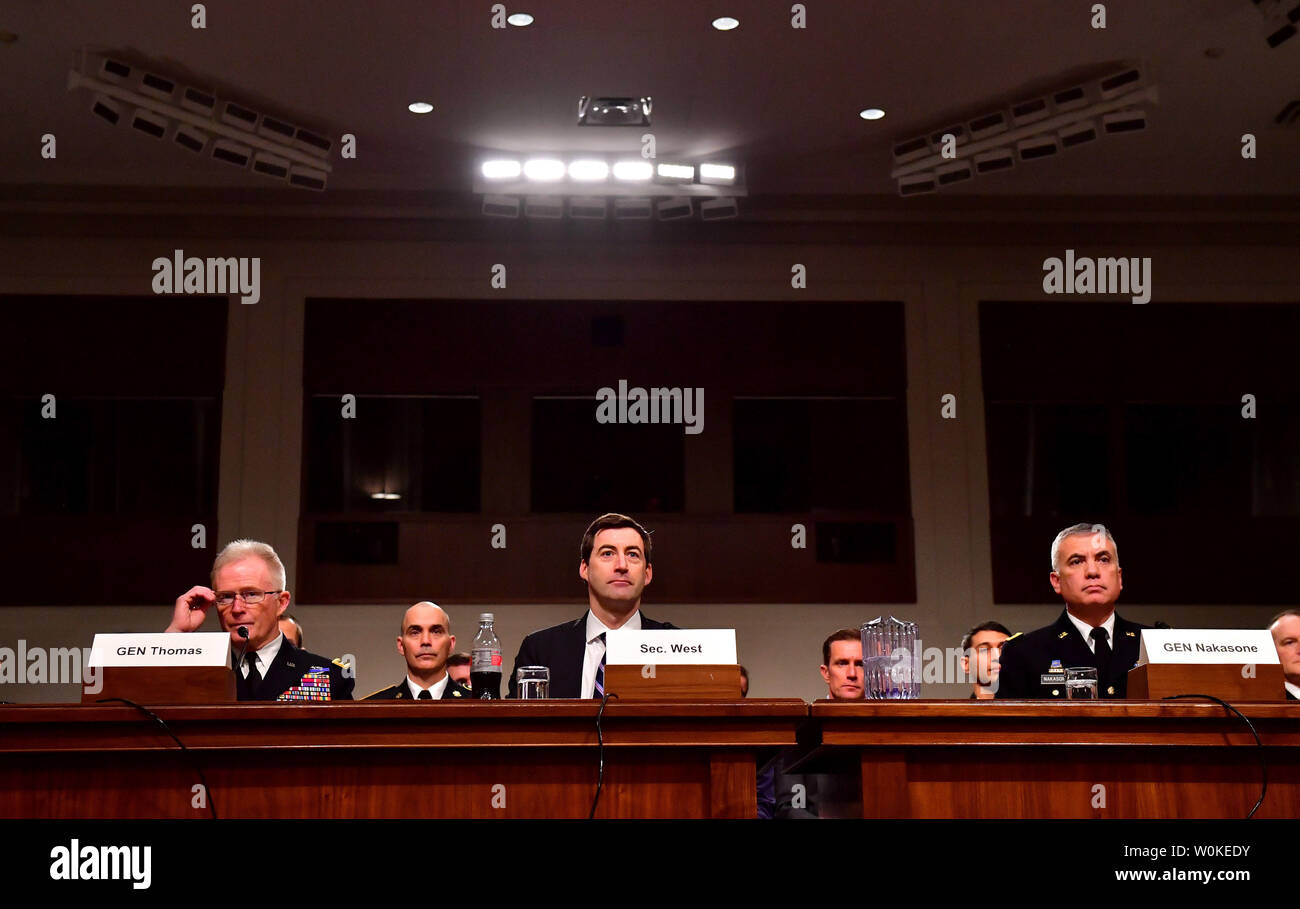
[
  {"x": 725, "y": 23},
  {"x": 543, "y": 169},
  {"x": 419, "y": 107},
  {"x": 682, "y": 173},
  {"x": 588, "y": 170},
  {"x": 501, "y": 169},
  {"x": 871, "y": 113},
  {"x": 385, "y": 496},
  {"x": 519, "y": 19},
  {"x": 717, "y": 174},
  {"x": 633, "y": 170}
]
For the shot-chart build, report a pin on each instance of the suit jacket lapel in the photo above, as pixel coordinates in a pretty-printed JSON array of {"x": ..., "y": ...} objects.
[{"x": 575, "y": 646}]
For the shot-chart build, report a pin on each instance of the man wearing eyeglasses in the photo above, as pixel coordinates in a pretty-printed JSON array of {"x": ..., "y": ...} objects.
[{"x": 248, "y": 590}]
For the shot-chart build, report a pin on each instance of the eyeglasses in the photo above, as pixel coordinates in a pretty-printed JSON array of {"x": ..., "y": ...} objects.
[{"x": 250, "y": 597}]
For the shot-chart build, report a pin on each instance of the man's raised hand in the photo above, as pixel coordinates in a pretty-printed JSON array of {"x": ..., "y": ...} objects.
[{"x": 192, "y": 608}]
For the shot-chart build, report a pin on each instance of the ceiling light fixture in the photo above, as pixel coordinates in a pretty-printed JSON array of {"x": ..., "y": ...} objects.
[
  {"x": 197, "y": 121},
  {"x": 420, "y": 107},
  {"x": 614, "y": 111},
  {"x": 633, "y": 171},
  {"x": 519, "y": 19},
  {"x": 871, "y": 113},
  {"x": 544, "y": 170},
  {"x": 588, "y": 170},
  {"x": 717, "y": 174},
  {"x": 676, "y": 173},
  {"x": 725, "y": 23},
  {"x": 1027, "y": 130},
  {"x": 501, "y": 169}
]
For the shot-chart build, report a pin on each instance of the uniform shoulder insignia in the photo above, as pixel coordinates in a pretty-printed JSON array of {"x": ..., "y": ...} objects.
[
  {"x": 339, "y": 662},
  {"x": 1063, "y": 634},
  {"x": 1014, "y": 636}
]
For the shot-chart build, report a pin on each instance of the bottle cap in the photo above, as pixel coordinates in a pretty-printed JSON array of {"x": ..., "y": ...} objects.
[{"x": 485, "y": 617}]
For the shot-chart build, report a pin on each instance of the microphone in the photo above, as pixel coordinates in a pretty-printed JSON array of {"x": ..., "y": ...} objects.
[{"x": 243, "y": 633}]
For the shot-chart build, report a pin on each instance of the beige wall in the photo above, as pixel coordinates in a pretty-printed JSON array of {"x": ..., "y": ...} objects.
[{"x": 940, "y": 278}]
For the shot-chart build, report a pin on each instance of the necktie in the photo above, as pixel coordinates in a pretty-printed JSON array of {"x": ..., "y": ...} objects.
[
  {"x": 254, "y": 677},
  {"x": 600, "y": 672},
  {"x": 424, "y": 695},
  {"x": 1102, "y": 652}
]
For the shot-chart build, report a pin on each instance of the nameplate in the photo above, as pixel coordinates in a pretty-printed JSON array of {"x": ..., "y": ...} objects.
[
  {"x": 1206, "y": 645},
  {"x": 671, "y": 647},
  {"x": 199, "y": 648}
]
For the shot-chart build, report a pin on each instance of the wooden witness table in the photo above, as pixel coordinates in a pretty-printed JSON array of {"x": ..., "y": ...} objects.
[
  {"x": 663, "y": 759},
  {"x": 1044, "y": 759}
]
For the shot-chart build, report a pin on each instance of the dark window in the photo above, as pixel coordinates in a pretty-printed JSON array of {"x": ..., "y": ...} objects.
[
  {"x": 1177, "y": 425},
  {"x": 119, "y": 456},
  {"x": 583, "y": 466},
  {"x": 799, "y": 455},
  {"x": 113, "y": 499},
  {"x": 1048, "y": 459},
  {"x": 395, "y": 454}
]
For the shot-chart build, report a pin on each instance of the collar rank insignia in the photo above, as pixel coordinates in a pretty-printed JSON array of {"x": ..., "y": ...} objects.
[
  {"x": 455, "y": 694},
  {"x": 1130, "y": 634},
  {"x": 1063, "y": 634}
]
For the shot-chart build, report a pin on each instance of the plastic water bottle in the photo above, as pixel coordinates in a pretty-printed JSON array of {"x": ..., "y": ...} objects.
[{"x": 485, "y": 661}]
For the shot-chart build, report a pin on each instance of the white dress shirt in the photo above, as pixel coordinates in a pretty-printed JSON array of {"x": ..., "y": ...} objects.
[
  {"x": 1293, "y": 688},
  {"x": 596, "y": 649},
  {"x": 263, "y": 657},
  {"x": 435, "y": 690},
  {"x": 1086, "y": 630}
]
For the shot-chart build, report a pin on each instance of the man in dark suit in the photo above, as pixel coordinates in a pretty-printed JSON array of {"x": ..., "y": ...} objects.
[
  {"x": 616, "y": 562},
  {"x": 1286, "y": 637},
  {"x": 425, "y": 642},
  {"x": 248, "y": 582},
  {"x": 1086, "y": 575}
]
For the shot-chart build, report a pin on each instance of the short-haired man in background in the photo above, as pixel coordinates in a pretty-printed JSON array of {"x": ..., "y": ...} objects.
[
  {"x": 842, "y": 665},
  {"x": 458, "y": 666},
  {"x": 291, "y": 629},
  {"x": 984, "y": 642},
  {"x": 424, "y": 640}
]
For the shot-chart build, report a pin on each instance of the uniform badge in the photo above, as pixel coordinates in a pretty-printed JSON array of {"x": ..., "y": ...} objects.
[
  {"x": 1063, "y": 634},
  {"x": 1054, "y": 675},
  {"x": 313, "y": 686}
]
